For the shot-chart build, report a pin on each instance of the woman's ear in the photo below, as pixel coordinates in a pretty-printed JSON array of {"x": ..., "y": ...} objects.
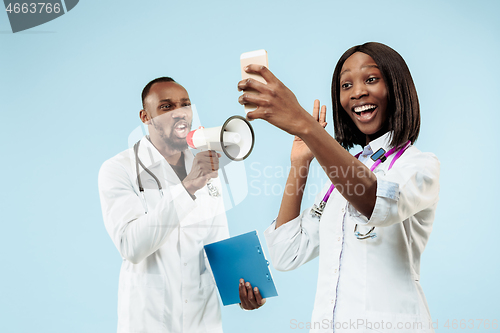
[{"x": 144, "y": 117}]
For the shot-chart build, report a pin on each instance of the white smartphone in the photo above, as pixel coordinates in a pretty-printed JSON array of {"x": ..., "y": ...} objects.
[{"x": 258, "y": 57}]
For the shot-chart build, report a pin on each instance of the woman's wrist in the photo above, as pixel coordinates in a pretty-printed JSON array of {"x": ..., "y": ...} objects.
[
  {"x": 309, "y": 127},
  {"x": 301, "y": 163}
]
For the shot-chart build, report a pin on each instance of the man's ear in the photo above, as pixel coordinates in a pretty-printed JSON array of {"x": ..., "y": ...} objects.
[{"x": 144, "y": 117}]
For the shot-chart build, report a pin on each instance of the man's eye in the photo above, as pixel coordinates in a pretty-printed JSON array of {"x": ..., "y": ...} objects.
[
  {"x": 186, "y": 104},
  {"x": 166, "y": 106}
]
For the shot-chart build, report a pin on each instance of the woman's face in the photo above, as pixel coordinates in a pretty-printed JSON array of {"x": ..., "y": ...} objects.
[{"x": 363, "y": 93}]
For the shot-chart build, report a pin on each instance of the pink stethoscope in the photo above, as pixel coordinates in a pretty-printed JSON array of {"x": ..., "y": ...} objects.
[{"x": 379, "y": 157}]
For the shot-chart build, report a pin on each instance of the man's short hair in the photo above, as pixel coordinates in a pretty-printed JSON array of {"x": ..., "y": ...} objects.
[{"x": 147, "y": 88}]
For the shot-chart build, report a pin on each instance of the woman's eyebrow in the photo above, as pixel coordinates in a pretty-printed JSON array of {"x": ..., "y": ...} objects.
[
  {"x": 362, "y": 67},
  {"x": 369, "y": 66},
  {"x": 346, "y": 70}
]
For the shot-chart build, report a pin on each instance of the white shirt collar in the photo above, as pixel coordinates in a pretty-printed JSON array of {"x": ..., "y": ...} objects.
[{"x": 383, "y": 141}]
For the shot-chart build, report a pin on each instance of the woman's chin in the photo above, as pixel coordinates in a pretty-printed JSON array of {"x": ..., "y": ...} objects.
[{"x": 372, "y": 132}]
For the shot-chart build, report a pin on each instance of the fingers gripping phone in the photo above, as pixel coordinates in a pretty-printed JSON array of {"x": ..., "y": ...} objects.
[{"x": 258, "y": 57}]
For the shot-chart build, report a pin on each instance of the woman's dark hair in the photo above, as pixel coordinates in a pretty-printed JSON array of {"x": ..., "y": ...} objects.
[
  {"x": 148, "y": 86},
  {"x": 403, "y": 111}
]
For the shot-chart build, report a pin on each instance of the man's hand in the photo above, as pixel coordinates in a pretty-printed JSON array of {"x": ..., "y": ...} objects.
[
  {"x": 250, "y": 299},
  {"x": 205, "y": 166}
]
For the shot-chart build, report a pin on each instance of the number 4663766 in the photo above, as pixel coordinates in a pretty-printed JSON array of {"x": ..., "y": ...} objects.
[
  {"x": 471, "y": 324},
  {"x": 33, "y": 8}
]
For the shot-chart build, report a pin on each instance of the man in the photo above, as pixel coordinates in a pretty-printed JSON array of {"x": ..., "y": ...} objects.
[{"x": 159, "y": 212}]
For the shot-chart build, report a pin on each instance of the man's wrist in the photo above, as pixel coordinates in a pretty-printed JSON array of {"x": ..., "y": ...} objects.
[{"x": 188, "y": 190}]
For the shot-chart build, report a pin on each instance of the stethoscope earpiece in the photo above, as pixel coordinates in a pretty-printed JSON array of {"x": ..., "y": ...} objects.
[{"x": 367, "y": 235}]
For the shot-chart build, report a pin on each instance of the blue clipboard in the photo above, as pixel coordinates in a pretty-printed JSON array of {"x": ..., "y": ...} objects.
[{"x": 240, "y": 257}]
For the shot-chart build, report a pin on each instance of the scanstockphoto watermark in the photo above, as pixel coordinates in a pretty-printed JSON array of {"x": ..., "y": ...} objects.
[
  {"x": 263, "y": 179},
  {"x": 356, "y": 324},
  {"x": 25, "y": 15}
]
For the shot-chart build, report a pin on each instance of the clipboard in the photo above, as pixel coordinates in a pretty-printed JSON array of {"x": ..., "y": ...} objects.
[{"x": 240, "y": 257}]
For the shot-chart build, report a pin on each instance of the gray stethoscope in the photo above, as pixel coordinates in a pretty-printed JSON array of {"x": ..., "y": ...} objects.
[
  {"x": 378, "y": 157},
  {"x": 212, "y": 190}
]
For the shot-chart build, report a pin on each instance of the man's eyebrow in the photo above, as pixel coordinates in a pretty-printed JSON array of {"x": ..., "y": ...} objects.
[{"x": 169, "y": 100}]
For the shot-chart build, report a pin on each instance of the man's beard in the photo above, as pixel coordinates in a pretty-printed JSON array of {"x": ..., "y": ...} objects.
[
  {"x": 171, "y": 140},
  {"x": 179, "y": 145}
]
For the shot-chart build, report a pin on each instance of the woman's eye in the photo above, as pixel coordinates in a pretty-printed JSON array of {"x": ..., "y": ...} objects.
[
  {"x": 371, "y": 79},
  {"x": 345, "y": 85}
]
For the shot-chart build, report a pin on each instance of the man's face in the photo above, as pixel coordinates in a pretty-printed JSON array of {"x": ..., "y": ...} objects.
[{"x": 168, "y": 108}]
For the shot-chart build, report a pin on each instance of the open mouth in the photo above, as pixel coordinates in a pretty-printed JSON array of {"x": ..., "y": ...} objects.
[
  {"x": 181, "y": 129},
  {"x": 365, "y": 113}
]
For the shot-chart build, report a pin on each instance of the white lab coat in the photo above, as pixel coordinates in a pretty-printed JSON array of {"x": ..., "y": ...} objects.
[
  {"x": 368, "y": 285},
  {"x": 165, "y": 282}
]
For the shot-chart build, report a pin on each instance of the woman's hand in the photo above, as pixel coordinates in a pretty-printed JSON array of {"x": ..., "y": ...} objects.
[
  {"x": 275, "y": 102},
  {"x": 300, "y": 152}
]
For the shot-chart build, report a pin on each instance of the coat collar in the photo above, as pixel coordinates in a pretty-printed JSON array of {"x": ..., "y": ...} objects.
[
  {"x": 153, "y": 160},
  {"x": 383, "y": 141}
]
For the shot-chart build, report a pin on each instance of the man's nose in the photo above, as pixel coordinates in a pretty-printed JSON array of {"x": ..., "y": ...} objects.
[{"x": 180, "y": 112}]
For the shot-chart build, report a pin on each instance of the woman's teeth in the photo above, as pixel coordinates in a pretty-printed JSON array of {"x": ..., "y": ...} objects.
[{"x": 359, "y": 109}]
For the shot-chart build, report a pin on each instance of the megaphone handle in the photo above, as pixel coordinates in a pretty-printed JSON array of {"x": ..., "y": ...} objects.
[{"x": 212, "y": 190}]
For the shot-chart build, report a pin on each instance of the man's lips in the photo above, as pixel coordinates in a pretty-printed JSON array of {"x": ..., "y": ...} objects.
[{"x": 181, "y": 129}]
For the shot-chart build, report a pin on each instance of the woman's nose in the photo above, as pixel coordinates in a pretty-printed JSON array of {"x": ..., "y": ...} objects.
[{"x": 358, "y": 91}]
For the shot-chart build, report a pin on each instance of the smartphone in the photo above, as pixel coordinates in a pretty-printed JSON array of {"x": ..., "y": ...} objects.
[{"x": 258, "y": 57}]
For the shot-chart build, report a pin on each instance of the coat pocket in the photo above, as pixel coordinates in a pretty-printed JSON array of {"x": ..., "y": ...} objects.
[{"x": 141, "y": 302}]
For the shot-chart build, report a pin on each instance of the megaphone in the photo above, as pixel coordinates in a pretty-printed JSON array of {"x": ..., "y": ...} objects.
[{"x": 235, "y": 138}]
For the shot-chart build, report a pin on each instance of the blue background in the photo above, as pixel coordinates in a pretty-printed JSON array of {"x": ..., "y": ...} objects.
[{"x": 70, "y": 97}]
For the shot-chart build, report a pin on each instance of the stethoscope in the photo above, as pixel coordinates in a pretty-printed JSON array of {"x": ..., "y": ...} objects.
[
  {"x": 378, "y": 157},
  {"x": 213, "y": 191}
]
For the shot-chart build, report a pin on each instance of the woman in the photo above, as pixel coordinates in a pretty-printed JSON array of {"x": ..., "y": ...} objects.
[{"x": 378, "y": 218}]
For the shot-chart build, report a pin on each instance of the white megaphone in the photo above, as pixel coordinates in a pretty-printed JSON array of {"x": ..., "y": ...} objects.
[{"x": 235, "y": 138}]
